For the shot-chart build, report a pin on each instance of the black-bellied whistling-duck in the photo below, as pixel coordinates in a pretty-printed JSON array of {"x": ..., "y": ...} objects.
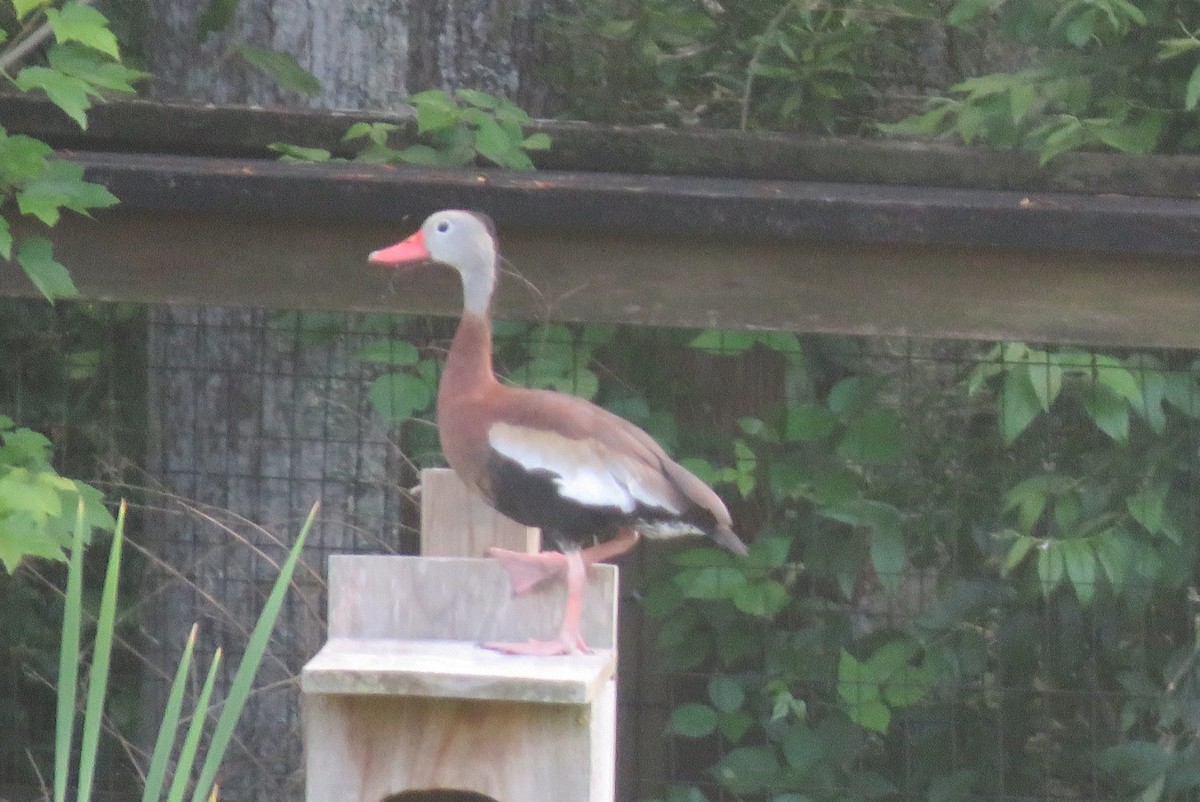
[{"x": 543, "y": 458}]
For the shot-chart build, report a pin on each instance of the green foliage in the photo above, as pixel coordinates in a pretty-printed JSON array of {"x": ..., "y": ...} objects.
[
  {"x": 455, "y": 131},
  {"x": 218, "y": 18},
  {"x": 1061, "y": 557},
  {"x": 72, "y": 657},
  {"x": 1106, "y": 73},
  {"x": 37, "y": 505},
  {"x": 81, "y": 66},
  {"x": 816, "y": 66}
]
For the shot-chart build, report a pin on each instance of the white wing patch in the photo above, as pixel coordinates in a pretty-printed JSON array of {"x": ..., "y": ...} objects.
[{"x": 584, "y": 470}]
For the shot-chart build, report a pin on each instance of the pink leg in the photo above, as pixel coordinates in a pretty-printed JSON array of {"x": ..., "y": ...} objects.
[
  {"x": 570, "y": 638},
  {"x": 526, "y": 571},
  {"x": 625, "y": 540}
]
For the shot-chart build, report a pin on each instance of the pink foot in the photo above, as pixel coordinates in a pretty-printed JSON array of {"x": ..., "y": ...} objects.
[
  {"x": 544, "y": 648},
  {"x": 526, "y": 571}
]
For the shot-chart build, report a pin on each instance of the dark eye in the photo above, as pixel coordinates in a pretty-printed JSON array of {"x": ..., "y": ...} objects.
[{"x": 443, "y": 227}]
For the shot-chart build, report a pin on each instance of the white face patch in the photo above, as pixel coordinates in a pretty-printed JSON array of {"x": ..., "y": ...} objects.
[{"x": 584, "y": 471}]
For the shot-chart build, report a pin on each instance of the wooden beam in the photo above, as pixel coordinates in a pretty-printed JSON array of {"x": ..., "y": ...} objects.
[
  {"x": 653, "y": 250},
  {"x": 139, "y": 126}
]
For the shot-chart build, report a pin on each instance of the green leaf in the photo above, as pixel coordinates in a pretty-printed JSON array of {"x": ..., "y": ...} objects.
[
  {"x": 215, "y": 17},
  {"x": 1113, "y": 554},
  {"x": 283, "y": 68},
  {"x": 298, "y": 153},
  {"x": 37, "y": 260},
  {"x": 1050, "y": 565},
  {"x": 735, "y": 725},
  {"x": 61, "y": 186},
  {"x": 861, "y": 694},
  {"x": 748, "y": 769},
  {"x": 397, "y": 396},
  {"x": 1017, "y": 552},
  {"x": 762, "y": 599},
  {"x": 965, "y": 11},
  {"x": 169, "y": 724},
  {"x": 802, "y": 748},
  {"x": 693, "y": 720},
  {"x": 1191, "y": 94},
  {"x": 495, "y": 145},
  {"x": 888, "y": 555},
  {"x": 67, "y": 92},
  {"x": 1108, "y": 411},
  {"x": 190, "y": 748},
  {"x": 425, "y": 156},
  {"x": 710, "y": 583},
  {"x": 1019, "y": 403},
  {"x": 389, "y": 352},
  {"x": 1119, "y": 379},
  {"x": 1045, "y": 376},
  {"x": 907, "y": 686},
  {"x": 1147, "y": 507},
  {"x": 69, "y": 659},
  {"x": 853, "y": 393},
  {"x": 1080, "y": 562},
  {"x": 435, "y": 111},
  {"x": 538, "y": 141},
  {"x": 76, "y": 22},
  {"x": 6, "y": 240},
  {"x": 873, "y": 439},
  {"x": 478, "y": 99},
  {"x": 96, "y": 69},
  {"x": 97, "y": 686},
  {"x": 23, "y": 7},
  {"x": 22, "y": 158},
  {"x": 808, "y": 422},
  {"x": 243, "y": 678},
  {"x": 723, "y": 343},
  {"x": 703, "y": 557},
  {"x": 726, "y": 694}
]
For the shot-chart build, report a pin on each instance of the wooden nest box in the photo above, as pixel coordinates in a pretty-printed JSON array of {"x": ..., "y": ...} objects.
[{"x": 403, "y": 704}]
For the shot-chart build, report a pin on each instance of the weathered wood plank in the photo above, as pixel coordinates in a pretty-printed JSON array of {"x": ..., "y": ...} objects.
[
  {"x": 431, "y": 598},
  {"x": 140, "y": 126},
  {"x": 513, "y": 752},
  {"x": 457, "y": 523},
  {"x": 1094, "y": 299},
  {"x": 441, "y": 669}
]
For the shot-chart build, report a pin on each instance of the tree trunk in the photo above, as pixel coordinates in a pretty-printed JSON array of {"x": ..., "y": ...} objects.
[
  {"x": 367, "y": 54},
  {"x": 246, "y": 416}
]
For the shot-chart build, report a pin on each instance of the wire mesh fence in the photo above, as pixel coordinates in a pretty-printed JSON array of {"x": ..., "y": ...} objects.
[{"x": 972, "y": 578}]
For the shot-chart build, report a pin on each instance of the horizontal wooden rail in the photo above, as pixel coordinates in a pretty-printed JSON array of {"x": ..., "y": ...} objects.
[{"x": 668, "y": 249}]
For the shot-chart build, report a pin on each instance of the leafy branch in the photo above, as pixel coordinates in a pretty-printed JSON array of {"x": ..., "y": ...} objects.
[{"x": 81, "y": 66}]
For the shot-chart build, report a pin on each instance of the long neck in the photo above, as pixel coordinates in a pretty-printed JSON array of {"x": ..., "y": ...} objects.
[{"x": 469, "y": 366}]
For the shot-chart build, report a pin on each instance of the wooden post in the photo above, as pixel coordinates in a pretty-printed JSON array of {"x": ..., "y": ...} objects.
[
  {"x": 402, "y": 697},
  {"x": 454, "y": 523}
]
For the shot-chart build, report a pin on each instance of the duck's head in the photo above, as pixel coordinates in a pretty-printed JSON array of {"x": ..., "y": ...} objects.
[{"x": 461, "y": 239}]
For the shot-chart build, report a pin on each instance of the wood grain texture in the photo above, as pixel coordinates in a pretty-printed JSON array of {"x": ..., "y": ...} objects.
[
  {"x": 447, "y": 598},
  {"x": 454, "y": 670},
  {"x": 371, "y": 747},
  {"x": 457, "y": 523},
  {"x": 1096, "y": 299}
]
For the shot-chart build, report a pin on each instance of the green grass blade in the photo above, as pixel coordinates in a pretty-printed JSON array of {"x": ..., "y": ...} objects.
[
  {"x": 191, "y": 742},
  {"x": 68, "y": 662},
  {"x": 239, "y": 689},
  {"x": 93, "y": 712},
  {"x": 169, "y": 726}
]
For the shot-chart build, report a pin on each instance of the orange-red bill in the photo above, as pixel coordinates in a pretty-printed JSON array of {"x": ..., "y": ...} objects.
[{"x": 403, "y": 252}]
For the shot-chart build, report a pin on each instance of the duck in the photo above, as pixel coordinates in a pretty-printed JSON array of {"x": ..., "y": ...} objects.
[{"x": 593, "y": 482}]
